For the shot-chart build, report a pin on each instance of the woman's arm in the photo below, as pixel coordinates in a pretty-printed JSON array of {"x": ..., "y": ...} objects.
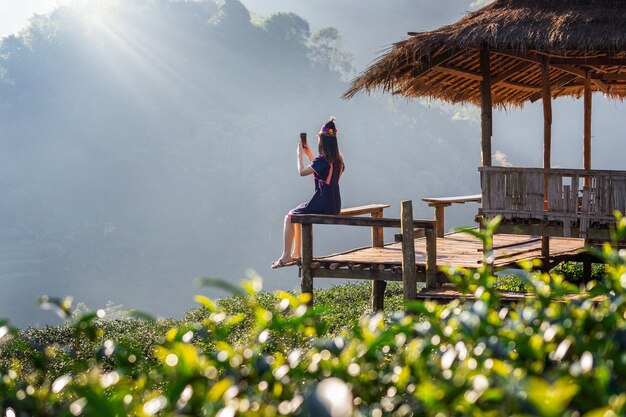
[
  {"x": 303, "y": 170},
  {"x": 308, "y": 154}
]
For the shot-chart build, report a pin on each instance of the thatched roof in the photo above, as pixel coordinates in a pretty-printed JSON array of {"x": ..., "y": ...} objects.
[{"x": 577, "y": 36}]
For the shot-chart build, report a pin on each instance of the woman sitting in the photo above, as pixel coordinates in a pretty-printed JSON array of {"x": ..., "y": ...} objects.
[{"x": 326, "y": 169}]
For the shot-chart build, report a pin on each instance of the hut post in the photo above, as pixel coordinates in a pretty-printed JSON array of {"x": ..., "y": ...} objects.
[
  {"x": 486, "y": 120},
  {"x": 587, "y": 160},
  {"x": 547, "y": 149},
  {"x": 587, "y": 131}
]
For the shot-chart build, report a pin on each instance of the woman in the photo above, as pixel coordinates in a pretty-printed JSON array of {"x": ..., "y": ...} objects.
[{"x": 326, "y": 169}]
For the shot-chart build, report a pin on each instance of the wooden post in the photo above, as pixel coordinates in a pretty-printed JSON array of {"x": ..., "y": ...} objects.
[
  {"x": 409, "y": 278},
  {"x": 431, "y": 259},
  {"x": 439, "y": 218},
  {"x": 378, "y": 287},
  {"x": 488, "y": 254},
  {"x": 486, "y": 117},
  {"x": 307, "y": 257},
  {"x": 587, "y": 134},
  {"x": 486, "y": 121},
  {"x": 545, "y": 253},
  {"x": 587, "y": 270},
  {"x": 547, "y": 149},
  {"x": 547, "y": 125}
]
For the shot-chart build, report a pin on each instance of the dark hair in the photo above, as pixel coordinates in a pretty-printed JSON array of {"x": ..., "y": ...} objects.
[{"x": 329, "y": 147}]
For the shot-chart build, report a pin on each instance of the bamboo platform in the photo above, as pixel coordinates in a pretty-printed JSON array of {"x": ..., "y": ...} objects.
[
  {"x": 418, "y": 253},
  {"x": 454, "y": 249}
]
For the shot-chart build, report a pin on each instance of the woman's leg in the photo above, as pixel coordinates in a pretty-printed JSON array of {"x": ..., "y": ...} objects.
[
  {"x": 297, "y": 240},
  {"x": 288, "y": 235}
]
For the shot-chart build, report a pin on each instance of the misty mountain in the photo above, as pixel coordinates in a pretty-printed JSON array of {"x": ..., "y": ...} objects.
[{"x": 144, "y": 144}]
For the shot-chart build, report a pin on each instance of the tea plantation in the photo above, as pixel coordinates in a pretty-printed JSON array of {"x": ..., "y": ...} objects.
[{"x": 560, "y": 353}]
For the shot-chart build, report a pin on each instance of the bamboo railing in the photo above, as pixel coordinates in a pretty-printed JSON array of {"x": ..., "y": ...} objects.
[
  {"x": 310, "y": 269},
  {"x": 568, "y": 198}
]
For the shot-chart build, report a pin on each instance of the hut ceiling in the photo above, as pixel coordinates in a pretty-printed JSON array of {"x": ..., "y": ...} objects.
[{"x": 579, "y": 38}]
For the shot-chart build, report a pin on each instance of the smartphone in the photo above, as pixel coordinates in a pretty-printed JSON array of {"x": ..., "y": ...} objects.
[{"x": 303, "y": 139}]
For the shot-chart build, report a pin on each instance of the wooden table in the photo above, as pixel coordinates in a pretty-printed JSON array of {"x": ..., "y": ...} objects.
[{"x": 440, "y": 203}]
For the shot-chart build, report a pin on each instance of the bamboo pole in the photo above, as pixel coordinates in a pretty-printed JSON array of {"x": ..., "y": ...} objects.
[
  {"x": 378, "y": 287},
  {"x": 306, "y": 282},
  {"x": 587, "y": 131},
  {"x": 547, "y": 148},
  {"x": 547, "y": 126},
  {"x": 409, "y": 277},
  {"x": 486, "y": 121}
]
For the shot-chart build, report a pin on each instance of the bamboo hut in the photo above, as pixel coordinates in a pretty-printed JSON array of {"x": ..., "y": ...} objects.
[
  {"x": 507, "y": 54},
  {"x": 504, "y": 55}
]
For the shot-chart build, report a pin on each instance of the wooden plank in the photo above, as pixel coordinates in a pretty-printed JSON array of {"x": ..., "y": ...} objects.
[
  {"x": 555, "y": 171},
  {"x": 473, "y": 198},
  {"x": 409, "y": 279},
  {"x": 357, "y": 221},
  {"x": 458, "y": 249},
  {"x": 368, "y": 275},
  {"x": 553, "y": 231},
  {"x": 486, "y": 118},
  {"x": 360, "y": 210},
  {"x": 513, "y": 244},
  {"x": 307, "y": 258}
]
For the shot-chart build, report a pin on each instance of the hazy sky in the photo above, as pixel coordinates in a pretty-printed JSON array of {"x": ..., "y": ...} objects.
[
  {"x": 15, "y": 13},
  {"x": 365, "y": 45}
]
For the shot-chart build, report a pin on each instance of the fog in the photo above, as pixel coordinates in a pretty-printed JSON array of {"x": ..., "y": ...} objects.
[{"x": 145, "y": 144}]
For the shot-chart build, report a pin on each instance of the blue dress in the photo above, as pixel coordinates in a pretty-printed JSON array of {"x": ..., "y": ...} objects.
[{"x": 327, "y": 199}]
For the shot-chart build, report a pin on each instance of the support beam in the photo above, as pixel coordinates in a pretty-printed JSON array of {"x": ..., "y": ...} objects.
[
  {"x": 474, "y": 76},
  {"x": 511, "y": 71},
  {"x": 547, "y": 146},
  {"x": 486, "y": 120},
  {"x": 545, "y": 253},
  {"x": 610, "y": 61},
  {"x": 306, "y": 282},
  {"x": 587, "y": 130},
  {"x": 431, "y": 259},
  {"x": 566, "y": 65},
  {"x": 409, "y": 276},
  {"x": 433, "y": 62},
  {"x": 378, "y": 287},
  {"x": 560, "y": 83},
  {"x": 547, "y": 124}
]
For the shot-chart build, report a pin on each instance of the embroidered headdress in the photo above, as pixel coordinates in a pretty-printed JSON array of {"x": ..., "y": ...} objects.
[{"x": 328, "y": 128}]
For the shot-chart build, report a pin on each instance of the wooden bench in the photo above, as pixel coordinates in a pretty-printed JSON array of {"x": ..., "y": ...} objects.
[
  {"x": 376, "y": 212},
  {"x": 440, "y": 203}
]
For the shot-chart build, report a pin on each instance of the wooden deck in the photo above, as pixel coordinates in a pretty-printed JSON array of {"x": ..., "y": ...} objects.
[
  {"x": 454, "y": 249},
  {"x": 423, "y": 256}
]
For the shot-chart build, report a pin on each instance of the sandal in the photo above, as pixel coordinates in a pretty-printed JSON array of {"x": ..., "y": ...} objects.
[{"x": 280, "y": 263}]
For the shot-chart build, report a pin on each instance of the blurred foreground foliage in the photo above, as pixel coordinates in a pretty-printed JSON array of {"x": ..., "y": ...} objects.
[{"x": 560, "y": 353}]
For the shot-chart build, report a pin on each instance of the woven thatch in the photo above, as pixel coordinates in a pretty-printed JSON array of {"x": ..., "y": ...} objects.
[{"x": 520, "y": 34}]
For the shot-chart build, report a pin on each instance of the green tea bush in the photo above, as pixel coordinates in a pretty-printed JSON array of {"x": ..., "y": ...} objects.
[
  {"x": 573, "y": 271},
  {"x": 560, "y": 353}
]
